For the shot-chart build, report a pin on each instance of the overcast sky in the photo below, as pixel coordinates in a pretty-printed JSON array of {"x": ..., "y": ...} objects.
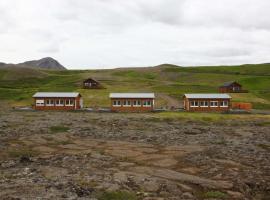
[{"x": 124, "y": 33}]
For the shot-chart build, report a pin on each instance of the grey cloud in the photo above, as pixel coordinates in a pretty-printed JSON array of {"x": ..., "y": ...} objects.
[
  {"x": 68, "y": 11},
  {"x": 137, "y": 32},
  {"x": 168, "y": 12},
  {"x": 39, "y": 34},
  {"x": 66, "y": 16},
  {"x": 223, "y": 52},
  {"x": 6, "y": 20},
  {"x": 246, "y": 14},
  {"x": 50, "y": 49}
]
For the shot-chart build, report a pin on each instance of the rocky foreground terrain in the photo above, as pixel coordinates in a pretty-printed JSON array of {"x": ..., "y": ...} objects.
[{"x": 79, "y": 155}]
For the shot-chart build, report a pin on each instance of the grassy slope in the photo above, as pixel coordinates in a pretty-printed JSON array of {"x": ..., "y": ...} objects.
[{"x": 18, "y": 85}]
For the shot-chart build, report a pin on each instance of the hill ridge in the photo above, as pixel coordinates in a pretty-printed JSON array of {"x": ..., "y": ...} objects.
[{"x": 43, "y": 63}]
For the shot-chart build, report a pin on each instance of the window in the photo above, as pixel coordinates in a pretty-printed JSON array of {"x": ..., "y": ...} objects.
[
  {"x": 127, "y": 103},
  {"x": 194, "y": 104},
  {"x": 224, "y": 104},
  {"x": 116, "y": 103},
  {"x": 137, "y": 103},
  {"x": 235, "y": 88},
  {"x": 204, "y": 104},
  {"x": 49, "y": 102},
  {"x": 69, "y": 102},
  {"x": 59, "y": 102},
  {"x": 147, "y": 103},
  {"x": 39, "y": 102},
  {"x": 213, "y": 103}
]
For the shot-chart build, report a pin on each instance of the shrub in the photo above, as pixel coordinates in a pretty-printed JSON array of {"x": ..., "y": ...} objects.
[
  {"x": 24, "y": 152},
  {"x": 214, "y": 194},
  {"x": 264, "y": 146},
  {"x": 56, "y": 129}
]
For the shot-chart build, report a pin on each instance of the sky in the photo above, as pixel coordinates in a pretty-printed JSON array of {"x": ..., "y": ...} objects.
[{"x": 97, "y": 34}]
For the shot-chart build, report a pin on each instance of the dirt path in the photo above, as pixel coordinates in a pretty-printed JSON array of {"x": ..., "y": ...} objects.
[{"x": 171, "y": 101}]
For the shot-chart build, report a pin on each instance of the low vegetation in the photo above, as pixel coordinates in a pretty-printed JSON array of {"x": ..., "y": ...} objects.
[
  {"x": 22, "y": 152},
  {"x": 264, "y": 146},
  {"x": 57, "y": 129}
]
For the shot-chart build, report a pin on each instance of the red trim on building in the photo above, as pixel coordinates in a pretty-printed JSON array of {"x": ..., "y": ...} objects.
[
  {"x": 204, "y": 105},
  {"x": 57, "y": 103},
  {"x": 133, "y": 107}
]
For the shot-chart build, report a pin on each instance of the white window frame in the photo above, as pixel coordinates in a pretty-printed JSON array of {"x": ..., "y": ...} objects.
[
  {"x": 213, "y": 106},
  {"x": 222, "y": 104},
  {"x": 69, "y": 102},
  {"x": 205, "y": 104},
  {"x": 192, "y": 104},
  {"x": 236, "y": 88},
  {"x": 147, "y": 103},
  {"x": 39, "y": 102},
  {"x": 127, "y": 103},
  {"x": 116, "y": 103},
  {"x": 137, "y": 103},
  {"x": 58, "y": 102},
  {"x": 51, "y": 102}
]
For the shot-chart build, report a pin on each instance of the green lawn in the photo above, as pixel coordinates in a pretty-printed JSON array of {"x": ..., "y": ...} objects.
[{"x": 18, "y": 85}]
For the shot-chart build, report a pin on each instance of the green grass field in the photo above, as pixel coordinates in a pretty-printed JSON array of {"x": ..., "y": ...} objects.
[{"x": 18, "y": 85}]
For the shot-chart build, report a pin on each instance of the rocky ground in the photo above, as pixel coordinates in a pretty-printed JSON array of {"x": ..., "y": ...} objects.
[{"x": 80, "y": 155}]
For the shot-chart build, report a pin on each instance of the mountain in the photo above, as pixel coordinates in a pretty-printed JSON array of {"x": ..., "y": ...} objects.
[{"x": 44, "y": 63}]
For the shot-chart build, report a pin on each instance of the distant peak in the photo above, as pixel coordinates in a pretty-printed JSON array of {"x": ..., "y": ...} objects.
[
  {"x": 47, "y": 58},
  {"x": 44, "y": 63},
  {"x": 167, "y": 65}
]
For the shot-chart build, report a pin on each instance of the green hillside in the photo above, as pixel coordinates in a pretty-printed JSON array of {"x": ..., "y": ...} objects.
[{"x": 17, "y": 85}]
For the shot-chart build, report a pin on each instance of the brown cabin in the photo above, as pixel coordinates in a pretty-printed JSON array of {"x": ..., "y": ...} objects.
[
  {"x": 91, "y": 84},
  {"x": 207, "y": 102},
  {"x": 231, "y": 87},
  {"x": 132, "y": 102},
  {"x": 57, "y": 101}
]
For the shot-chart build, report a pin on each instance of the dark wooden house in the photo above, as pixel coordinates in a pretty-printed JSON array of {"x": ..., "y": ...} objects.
[
  {"x": 231, "y": 87},
  {"x": 207, "y": 102},
  {"x": 91, "y": 84},
  {"x": 57, "y": 101},
  {"x": 132, "y": 102}
]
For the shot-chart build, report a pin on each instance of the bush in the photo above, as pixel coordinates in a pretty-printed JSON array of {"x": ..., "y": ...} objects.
[
  {"x": 56, "y": 129},
  {"x": 214, "y": 194},
  {"x": 24, "y": 152}
]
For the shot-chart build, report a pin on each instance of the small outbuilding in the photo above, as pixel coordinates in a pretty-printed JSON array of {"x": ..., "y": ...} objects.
[
  {"x": 132, "y": 102},
  {"x": 57, "y": 101},
  {"x": 90, "y": 83},
  {"x": 231, "y": 87},
  {"x": 207, "y": 102},
  {"x": 241, "y": 106}
]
